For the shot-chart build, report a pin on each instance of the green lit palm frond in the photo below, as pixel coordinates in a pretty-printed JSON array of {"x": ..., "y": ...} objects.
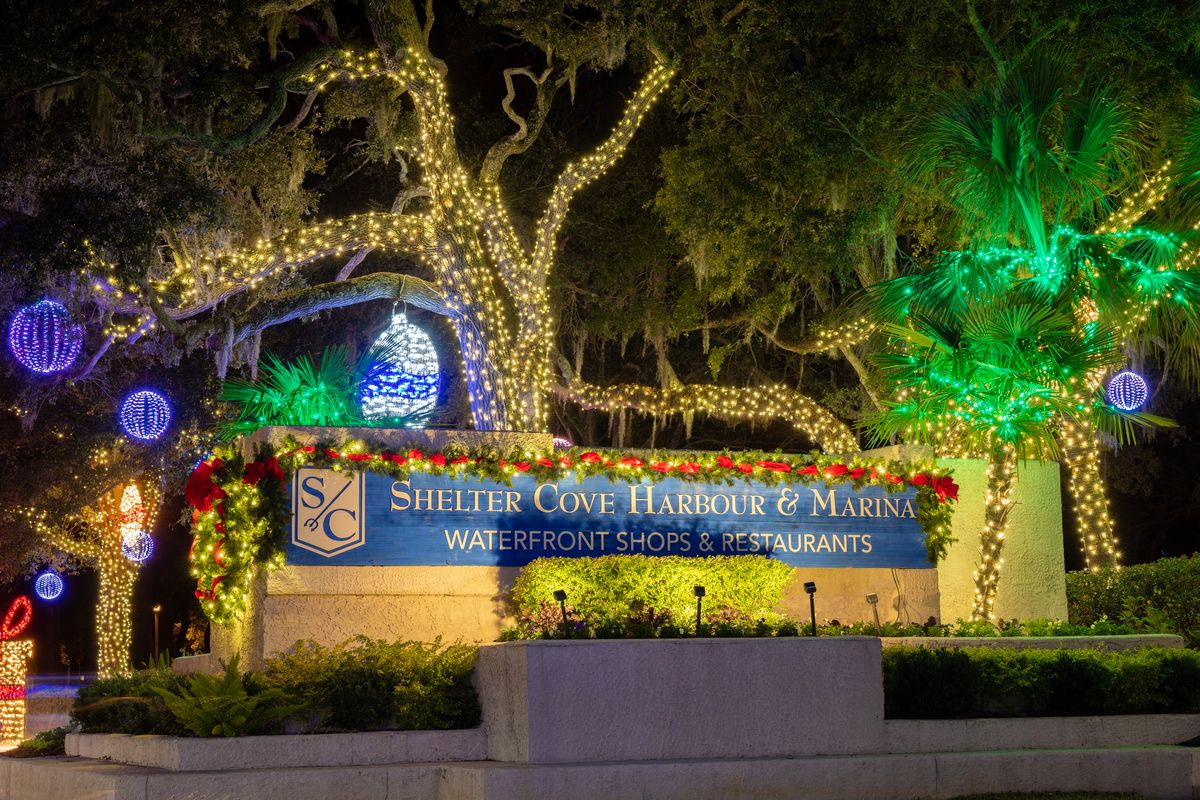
[
  {"x": 306, "y": 391},
  {"x": 1014, "y": 163},
  {"x": 1010, "y": 367}
]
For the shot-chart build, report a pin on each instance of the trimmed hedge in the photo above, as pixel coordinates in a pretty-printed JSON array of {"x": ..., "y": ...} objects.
[
  {"x": 602, "y": 592},
  {"x": 922, "y": 683},
  {"x": 1161, "y": 596}
]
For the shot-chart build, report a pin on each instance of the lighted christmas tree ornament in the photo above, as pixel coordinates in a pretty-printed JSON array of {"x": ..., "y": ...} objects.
[
  {"x": 145, "y": 415},
  {"x": 1128, "y": 391},
  {"x": 137, "y": 546},
  {"x": 405, "y": 385},
  {"x": 44, "y": 338},
  {"x": 48, "y": 585}
]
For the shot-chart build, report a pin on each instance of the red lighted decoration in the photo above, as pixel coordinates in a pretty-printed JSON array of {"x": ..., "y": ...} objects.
[
  {"x": 11, "y": 629},
  {"x": 13, "y": 657}
]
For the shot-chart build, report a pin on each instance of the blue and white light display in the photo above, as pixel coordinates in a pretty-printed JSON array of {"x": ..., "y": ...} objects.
[
  {"x": 407, "y": 385},
  {"x": 44, "y": 338},
  {"x": 1128, "y": 391},
  {"x": 137, "y": 546},
  {"x": 145, "y": 415},
  {"x": 48, "y": 585}
]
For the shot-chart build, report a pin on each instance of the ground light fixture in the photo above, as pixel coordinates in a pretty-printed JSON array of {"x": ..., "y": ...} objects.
[
  {"x": 699, "y": 592},
  {"x": 873, "y": 599},
  {"x": 561, "y": 597},
  {"x": 811, "y": 588},
  {"x": 157, "y": 610}
]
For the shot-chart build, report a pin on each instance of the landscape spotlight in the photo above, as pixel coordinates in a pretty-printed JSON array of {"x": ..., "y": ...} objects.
[
  {"x": 811, "y": 588},
  {"x": 561, "y": 597},
  {"x": 699, "y": 592},
  {"x": 873, "y": 599}
]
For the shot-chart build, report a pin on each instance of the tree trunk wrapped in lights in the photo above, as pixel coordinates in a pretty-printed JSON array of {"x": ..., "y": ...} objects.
[{"x": 101, "y": 537}]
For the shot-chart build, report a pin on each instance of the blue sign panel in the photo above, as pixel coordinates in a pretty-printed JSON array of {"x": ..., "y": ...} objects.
[{"x": 351, "y": 518}]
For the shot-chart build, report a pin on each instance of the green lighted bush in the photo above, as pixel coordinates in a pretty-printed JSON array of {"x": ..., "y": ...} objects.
[
  {"x": 618, "y": 595},
  {"x": 922, "y": 683},
  {"x": 1161, "y": 596}
]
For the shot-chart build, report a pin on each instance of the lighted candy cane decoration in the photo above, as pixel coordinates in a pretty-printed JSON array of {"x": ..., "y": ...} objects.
[{"x": 13, "y": 658}]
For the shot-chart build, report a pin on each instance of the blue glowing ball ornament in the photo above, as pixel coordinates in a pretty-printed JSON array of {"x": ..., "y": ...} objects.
[
  {"x": 137, "y": 546},
  {"x": 48, "y": 585},
  {"x": 1128, "y": 391},
  {"x": 406, "y": 384},
  {"x": 43, "y": 337},
  {"x": 145, "y": 415}
]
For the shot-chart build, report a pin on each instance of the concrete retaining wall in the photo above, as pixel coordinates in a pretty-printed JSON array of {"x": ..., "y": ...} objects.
[
  {"x": 273, "y": 752},
  {"x": 1153, "y": 772},
  {"x": 685, "y": 698}
]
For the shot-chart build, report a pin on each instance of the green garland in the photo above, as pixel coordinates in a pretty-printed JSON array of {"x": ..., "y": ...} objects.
[{"x": 240, "y": 510}]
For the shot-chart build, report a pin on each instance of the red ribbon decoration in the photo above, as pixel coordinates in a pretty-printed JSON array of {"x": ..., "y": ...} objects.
[
  {"x": 12, "y": 691},
  {"x": 11, "y": 630}
]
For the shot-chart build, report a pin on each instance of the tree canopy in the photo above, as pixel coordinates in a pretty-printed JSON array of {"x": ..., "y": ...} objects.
[{"x": 766, "y": 187}]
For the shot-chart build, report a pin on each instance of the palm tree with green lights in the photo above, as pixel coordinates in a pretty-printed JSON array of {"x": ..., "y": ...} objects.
[
  {"x": 1029, "y": 168},
  {"x": 1002, "y": 370}
]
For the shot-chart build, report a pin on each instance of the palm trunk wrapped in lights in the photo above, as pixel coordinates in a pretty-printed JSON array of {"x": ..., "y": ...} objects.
[
  {"x": 1001, "y": 475},
  {"x": 1089, "y": 501}
]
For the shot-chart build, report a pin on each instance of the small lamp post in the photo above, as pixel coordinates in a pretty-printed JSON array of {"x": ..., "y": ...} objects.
[
  {"x": 157, "y": 609},
  {"x": 811, "y": 588},
  {"x": 561, "y": 597},
  {"x": 699, "y": 592},
  {"x": 873, "y": 599}
]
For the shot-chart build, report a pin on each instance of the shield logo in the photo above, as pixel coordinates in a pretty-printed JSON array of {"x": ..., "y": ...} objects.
[{"x": 327, "y": 510}]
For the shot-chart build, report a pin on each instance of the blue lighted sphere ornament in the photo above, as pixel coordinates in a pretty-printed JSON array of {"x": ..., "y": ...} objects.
[
  {"x": 137, "y": 546},
  {"x": 145, "y": 415},
  {"x": 48, "y": 585},
  {"x": 44, "y": 338},
  {"x": 1128, "y": 391},
  {"x": 406, "y": 384}
]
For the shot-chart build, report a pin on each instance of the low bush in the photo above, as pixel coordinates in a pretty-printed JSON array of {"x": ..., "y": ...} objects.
[
  {"x": 47, "y": 743},
  {"x": 637, "y": 595},
  {"x": 365, "y": 684},
  {"x": 1162, "y": 596},
  {"x": 921, "y": 683},
  {"x": 227, "y": 705},
  {"x": 356, "y": 686},
  {"x": 128, "y": 704}
]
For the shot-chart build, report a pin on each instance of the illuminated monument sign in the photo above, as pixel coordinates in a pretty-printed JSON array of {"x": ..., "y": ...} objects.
[{"x": 347, "y": 518}]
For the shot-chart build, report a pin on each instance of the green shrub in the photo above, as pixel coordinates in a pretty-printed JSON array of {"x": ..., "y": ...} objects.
[
  {"x": 1161, "y": 596},
  {"x": 922, "y": 683},
  {"x": 365, "y": 684},
  {"x": 209, "y": 705},
  {"x": 603, "y": 591},
  {"x": 128, "y": 704},
  {"x": 47, "y": 743}
]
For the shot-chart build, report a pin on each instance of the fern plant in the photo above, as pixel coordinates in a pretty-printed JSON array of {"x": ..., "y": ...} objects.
[{"x": 210, "y": 705}]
